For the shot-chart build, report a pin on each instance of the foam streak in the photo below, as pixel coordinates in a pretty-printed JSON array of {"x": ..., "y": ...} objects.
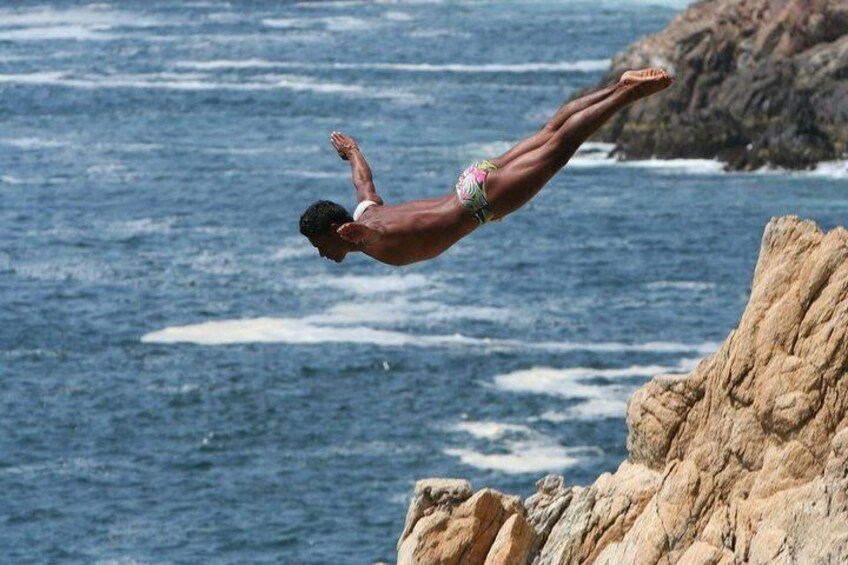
[
  {"x": 302, "y": 331},
  {"x": 591, "y": 65}
]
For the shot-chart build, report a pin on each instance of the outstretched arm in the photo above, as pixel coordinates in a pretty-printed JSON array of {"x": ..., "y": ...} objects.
[{"x": 362, "y": 179}]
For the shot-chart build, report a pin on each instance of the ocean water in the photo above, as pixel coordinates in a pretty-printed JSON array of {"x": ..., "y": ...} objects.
[{"x": 184, "y": 380}]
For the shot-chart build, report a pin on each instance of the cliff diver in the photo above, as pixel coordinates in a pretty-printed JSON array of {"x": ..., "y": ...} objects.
[{"x": 486, "y": 191}]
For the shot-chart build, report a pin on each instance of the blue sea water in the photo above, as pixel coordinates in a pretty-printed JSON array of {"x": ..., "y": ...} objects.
[{"x": 184, "y": 380}]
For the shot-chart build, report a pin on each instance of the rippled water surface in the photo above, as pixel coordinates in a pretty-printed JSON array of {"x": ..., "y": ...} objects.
[{"x": 184, "y": 380}]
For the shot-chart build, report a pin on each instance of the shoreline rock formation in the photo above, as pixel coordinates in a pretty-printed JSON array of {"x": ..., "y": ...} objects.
[
  {"x": 758, "y": 82},
  {"x": 744, "y": 460}
]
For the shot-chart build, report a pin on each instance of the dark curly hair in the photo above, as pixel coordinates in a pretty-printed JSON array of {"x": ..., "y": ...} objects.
[{"x": 321, "y": 215}]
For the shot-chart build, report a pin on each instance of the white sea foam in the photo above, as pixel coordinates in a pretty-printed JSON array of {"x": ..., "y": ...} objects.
[
  {"x": 304, "y": 331},
  {"x": 567, "y": 382},
  {"x": 489, "y": 430},
  {"x": 218, "y": 263},
  {"x": 36, "y": 352},
  {"x": 122, "y": 560},
  {"x": 523, "y": 457},
  {"x": 72, "y": 466},
  {"x": 75, "y": 32},
  {"x": 592, "y": 65},
  {"x": 292, "y": 251},
  {"x": 398, "y": 16},
  {"x": 133, "y": 147},
  {"x": 211, "y": 4},
  {"x": 91, "y": 15},
  {"x": 831, "y": 169},
  {"x": 681, "y": 285},
  {"x": 614, "y": 406},
  {"x": 347, "y": 3},
  {"x": 484, "y": 68},
  {"x": 174, "y": 389},
  {"x": 288, "y": 330},
  {"x": 12, "y": 180},
  {"x": 346, "y": 23},
  {"x": 199, "y": 82},
  {"x": 518, "y": 449},
  {"x": 825, "y": 169},
  {"x": 106, "y": 169},
  {"x": 689, "y": 166},
  {"x": 436, "y": 33},
  {"x": 597, "y": 401},
  {"x": 615, "y": 347},
  {"x": 594, "y": 154},
  {"x": 289, "y": 23},
  {"x": 42, "y": 77},
  {"x": 333, "y": 23},
  {"x": 598, "y": 155},
  {"x": 89, "y": 23},
  {"x": 141, "y": 226},
  {"x": 33, "y": 143},
  {"x": 369, "y": 285},
  {"x": 223, "y": 17},
  {"x": 323, "y": 4}
]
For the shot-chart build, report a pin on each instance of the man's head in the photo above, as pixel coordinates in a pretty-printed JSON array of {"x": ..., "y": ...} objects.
[{"x": 320, "y": 223}]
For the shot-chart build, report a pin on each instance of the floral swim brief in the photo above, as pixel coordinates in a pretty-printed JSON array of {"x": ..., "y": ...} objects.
[{"x": 471, "y": 191}]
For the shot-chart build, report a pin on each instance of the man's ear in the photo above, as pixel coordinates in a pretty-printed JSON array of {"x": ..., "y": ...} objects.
[{"x": 353, "y": 232}]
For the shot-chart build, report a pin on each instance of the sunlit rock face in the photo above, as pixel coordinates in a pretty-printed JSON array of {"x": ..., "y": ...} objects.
[
  {"x": 744, "y": 460},
  {"x": 759, "y": 82}
]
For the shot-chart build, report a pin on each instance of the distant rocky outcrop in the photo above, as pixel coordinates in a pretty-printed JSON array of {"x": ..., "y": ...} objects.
[
  {"x": 758, "y": 82},
  {"x": 744, "y": 460}
]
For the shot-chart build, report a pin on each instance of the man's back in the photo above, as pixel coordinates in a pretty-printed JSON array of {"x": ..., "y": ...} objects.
[{"x": 414, "y": 231}]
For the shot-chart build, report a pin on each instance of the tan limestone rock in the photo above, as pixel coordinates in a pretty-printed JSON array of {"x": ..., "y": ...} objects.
[
  {"x": 513, "y": 542},
  {"x": 464, "y": 533},
  {"x": 745, "y": 460}
]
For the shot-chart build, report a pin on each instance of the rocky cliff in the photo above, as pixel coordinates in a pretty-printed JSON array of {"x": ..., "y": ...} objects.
[
  {"x": 744, "y": 460},
  {"x": 759, "y": 82}
]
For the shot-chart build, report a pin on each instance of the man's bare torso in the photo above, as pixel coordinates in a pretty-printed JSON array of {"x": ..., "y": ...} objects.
[{"x": 416, "y": 231}]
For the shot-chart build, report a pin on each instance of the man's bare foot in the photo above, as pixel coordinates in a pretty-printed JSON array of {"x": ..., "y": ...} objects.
[{"x": 646, "y": 81}]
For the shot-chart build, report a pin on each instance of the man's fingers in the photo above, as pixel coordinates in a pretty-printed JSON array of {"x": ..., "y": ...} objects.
[
  {"x": 342, "y": 143},
  {"x": 352, "y": 232},
  {"x": 345, "y": 231}
]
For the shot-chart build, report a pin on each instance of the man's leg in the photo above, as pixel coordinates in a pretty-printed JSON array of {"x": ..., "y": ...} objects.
[
  {"x": 549, "y": 129},
  {"x": 510, "y": 187}
]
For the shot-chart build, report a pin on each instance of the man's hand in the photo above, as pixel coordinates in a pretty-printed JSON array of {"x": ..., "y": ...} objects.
[
  {"x": 343, "y": 144},
  {"x": 357, "y": 233}
]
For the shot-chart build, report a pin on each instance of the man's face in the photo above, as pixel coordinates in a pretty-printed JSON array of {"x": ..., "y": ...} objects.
[{"x": 330, "y": 246}]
